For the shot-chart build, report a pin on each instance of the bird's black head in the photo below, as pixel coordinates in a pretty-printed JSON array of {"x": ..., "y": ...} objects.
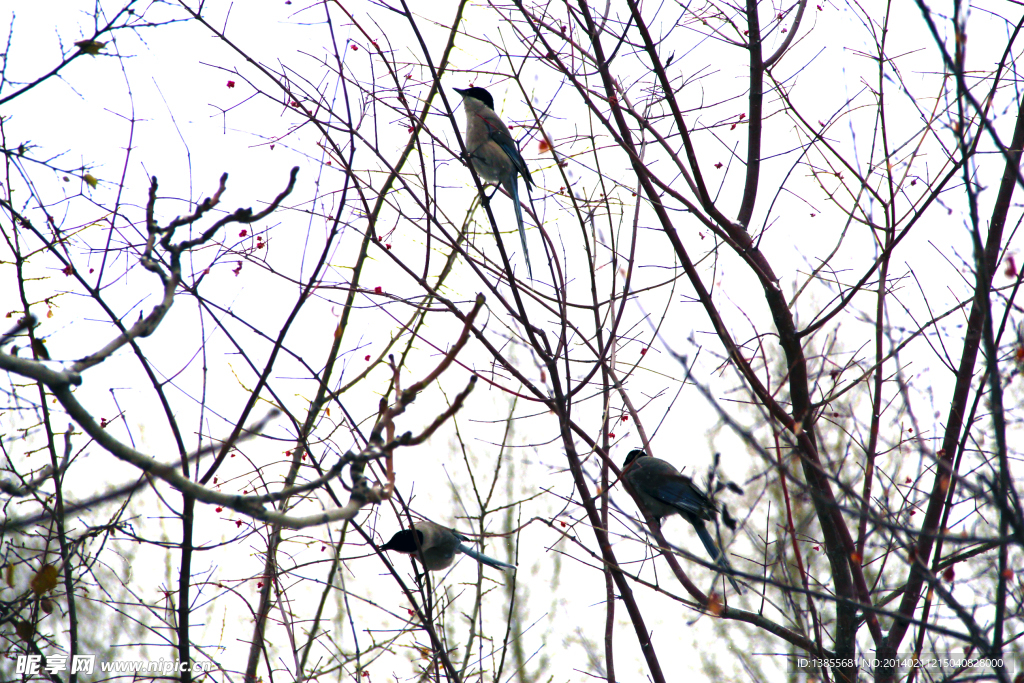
[
  {"x": 634, "y": 454},
  {"x": 404, "y": 541},
  {"x": 477, "y": 93}
]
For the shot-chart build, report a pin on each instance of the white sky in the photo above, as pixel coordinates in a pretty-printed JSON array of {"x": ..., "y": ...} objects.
[{"x": 190, "y": 127}]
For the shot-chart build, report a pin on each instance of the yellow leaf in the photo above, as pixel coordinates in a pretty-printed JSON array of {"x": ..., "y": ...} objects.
[
  {"x": 90, "y": 180},
  {"x": 714, "y": 604},
  {"x": 9, "y": 575},
  {"x": 45, "y": 580},
  {"x": 90, "y": 47}
]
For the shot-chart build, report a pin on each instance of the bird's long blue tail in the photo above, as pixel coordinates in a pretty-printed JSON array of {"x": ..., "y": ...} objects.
[
  {"x": 716, "y": 554},
  {"x": 513, "y": 189},
  {"x": 483, "y": 559}
]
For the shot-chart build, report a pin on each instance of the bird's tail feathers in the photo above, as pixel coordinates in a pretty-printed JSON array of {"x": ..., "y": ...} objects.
[
  {"x": 716, "y": 554},
  {"x": 483, "y": 559},
  {"x": 513, "y": 189}
]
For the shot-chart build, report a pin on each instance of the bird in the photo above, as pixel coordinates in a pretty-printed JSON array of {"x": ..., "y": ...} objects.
[
  {"x": 435, "y": 546},
  {"x": 494, "y": 153},
  {"x": 664, "y": 491}
]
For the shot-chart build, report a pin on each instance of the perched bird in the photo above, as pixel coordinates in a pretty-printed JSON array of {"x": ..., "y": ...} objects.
[
  {"x": 435, "y": 546},
  {"x": 494, "y": 153},
  {"x": 664, "y": 491}
]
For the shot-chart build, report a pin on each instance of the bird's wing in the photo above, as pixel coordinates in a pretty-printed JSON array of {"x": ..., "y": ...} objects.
[
  {"x": 497, "y": 131},
  {"x": 677, "y": 490}
]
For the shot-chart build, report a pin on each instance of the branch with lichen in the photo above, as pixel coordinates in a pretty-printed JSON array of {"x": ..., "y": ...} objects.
[
  {"x": 362, "y": 492},
  {"x": 171, "y": 277}
]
